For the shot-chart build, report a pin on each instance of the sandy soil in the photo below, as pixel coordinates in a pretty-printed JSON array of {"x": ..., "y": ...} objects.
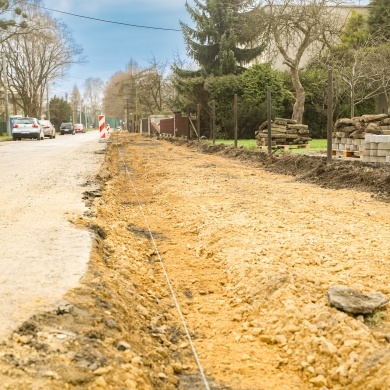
[{"x": 250, "y": 255}]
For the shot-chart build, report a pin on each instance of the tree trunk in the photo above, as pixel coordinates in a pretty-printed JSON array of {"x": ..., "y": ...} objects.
[{"x": 299, "y": 105}]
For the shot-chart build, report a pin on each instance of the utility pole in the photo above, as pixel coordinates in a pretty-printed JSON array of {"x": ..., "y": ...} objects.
[{"x": 6, "y": 96}]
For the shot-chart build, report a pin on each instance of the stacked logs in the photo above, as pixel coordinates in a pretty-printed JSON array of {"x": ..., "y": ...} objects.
[
  {"x": 283, "y": 132},
  {"x": 349, "y": 134}
]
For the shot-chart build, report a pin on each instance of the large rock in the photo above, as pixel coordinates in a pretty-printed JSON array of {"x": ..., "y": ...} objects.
[
  {"x": 374, "y": 118},
  {"x": 342, "y": 122},
  {"x": 352, "y": 301}
]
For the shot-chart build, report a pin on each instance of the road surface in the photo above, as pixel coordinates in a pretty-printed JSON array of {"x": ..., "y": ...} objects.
[{"x": 42, "y": 254}]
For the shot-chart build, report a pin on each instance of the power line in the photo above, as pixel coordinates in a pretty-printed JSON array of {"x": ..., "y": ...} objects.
[{"x": 104, "y": 20}]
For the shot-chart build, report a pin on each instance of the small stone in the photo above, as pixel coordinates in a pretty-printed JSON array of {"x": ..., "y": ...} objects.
[
  {"x": 267, "y": 339},
  {"x": 50, "y": 374},
  {"x": 281, "y": 339},
  {"x": 319, "y": 381},
  {"x": 123, "y": 346},
  {"x": 136, "y": 360},
  {"x": 103, "y": 370},
  {"x": 162, "y": 352},
  {"x": 327, "y": 347},
  {"x": 311, "y": 359},
  {"x": 100, "y": 382},
  {"x": 174, "y": 380},
  {"x": 177, "y": 367},
  {"x": 257, "y": 331}
]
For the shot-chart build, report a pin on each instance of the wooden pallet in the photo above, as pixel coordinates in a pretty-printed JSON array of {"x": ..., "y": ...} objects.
[
  {"x": 349, "y": 153},
  {"x": 287, "y": 147},
  {"x": 353, "y": 154}
]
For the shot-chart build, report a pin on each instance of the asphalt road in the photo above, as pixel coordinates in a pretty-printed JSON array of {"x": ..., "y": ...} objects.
[{"x": 43, "y": 255}]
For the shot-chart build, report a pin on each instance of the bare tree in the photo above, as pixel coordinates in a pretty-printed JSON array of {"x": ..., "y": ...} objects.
[
  {"x": 360, "y": 62},
  {"x": 299, "y": 28},
  {"x": 114, "y": 99},
  {"x": 137, "y": 92},
  {"x": 93, "y": 95},
  {"x": 156, "y": 91},
  {"x": 365, "y": 72},
  {"x": 35, "y": 59}
]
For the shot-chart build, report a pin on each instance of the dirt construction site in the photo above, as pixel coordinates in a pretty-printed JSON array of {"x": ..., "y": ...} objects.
[{"x": 210, "y": 269}]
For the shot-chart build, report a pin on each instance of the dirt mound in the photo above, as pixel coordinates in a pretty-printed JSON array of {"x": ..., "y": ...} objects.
[{"x": 341, "y": 173}]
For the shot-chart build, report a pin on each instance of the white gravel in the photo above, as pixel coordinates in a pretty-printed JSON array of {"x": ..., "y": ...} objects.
[{"x": 42, "y": 255}]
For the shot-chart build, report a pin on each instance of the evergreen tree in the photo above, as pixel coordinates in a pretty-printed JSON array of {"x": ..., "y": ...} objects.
[
  {"x": 221, "y": 43},
  {"x": 60, "y": 111},
  {"x": 379, "y": 18}
]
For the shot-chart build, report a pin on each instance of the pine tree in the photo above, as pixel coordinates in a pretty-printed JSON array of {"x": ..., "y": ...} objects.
[
  {"x": 379, "y": 18},
  {"x": 221, "y": 41}
]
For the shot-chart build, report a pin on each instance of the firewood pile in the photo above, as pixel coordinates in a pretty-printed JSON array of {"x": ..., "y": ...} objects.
[
  {"x": 349, "y": 134},
  {"x": 283, "y": 132}
]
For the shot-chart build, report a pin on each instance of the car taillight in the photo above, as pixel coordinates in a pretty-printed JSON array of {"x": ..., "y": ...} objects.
[
  {"x": 15, "y": 126},
  {"x": 35, "y": 126},
  {"x": 46, "y": 127}
]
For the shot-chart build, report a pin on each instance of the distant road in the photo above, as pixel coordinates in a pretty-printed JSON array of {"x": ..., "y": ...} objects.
[{"x": 42, "y": 255}]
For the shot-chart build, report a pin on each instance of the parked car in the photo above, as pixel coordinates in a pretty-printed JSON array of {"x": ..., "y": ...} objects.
[
  {"x": 27, "y": 128},
  {"x": 67, "y": 128},
  {"x": 79, "y": 128},
  {"x": 48, "y": 128}
]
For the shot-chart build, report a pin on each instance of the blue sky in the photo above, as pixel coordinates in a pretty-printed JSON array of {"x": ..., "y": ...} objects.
[{"x": 109, "y": 47}]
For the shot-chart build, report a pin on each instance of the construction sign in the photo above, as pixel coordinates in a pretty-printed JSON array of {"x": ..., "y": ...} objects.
[{"x": 102, "y": 128}]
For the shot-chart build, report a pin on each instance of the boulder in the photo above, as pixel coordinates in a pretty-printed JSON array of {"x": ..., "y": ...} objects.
[{"x": 352, "y": 301}]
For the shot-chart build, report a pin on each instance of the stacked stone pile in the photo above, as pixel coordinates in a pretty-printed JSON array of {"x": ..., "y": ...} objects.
[
  {"x": 283, "y": 132},
  {"x": 349, "y": 134}
]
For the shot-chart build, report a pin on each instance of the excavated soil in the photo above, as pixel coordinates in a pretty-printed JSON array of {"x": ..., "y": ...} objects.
[{"x": 249, "y": 244}]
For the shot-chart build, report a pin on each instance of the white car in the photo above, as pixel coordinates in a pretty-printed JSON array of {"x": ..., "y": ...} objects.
[
  {"x": 48, "y": 128},
  {"x": 27, "y": 128},
  {"x": 79, "y": 128}
]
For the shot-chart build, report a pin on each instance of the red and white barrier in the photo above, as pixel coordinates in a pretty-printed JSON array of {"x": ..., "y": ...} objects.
[{"x": 102, "y": 127}]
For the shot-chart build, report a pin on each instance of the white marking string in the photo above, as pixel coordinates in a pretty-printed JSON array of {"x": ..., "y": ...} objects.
[{"x": 165, "y": 273}]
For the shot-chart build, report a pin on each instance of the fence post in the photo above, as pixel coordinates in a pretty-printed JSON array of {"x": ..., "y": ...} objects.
[
  {"x": 213, "y": 119},
  {"x": 235, "y": 120},
  {"x": 188, "y": 125},
  {"x": 269, "y": 120},
  {"x": 330, "y": 117},
  {"x": 198, "y": 120}
]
